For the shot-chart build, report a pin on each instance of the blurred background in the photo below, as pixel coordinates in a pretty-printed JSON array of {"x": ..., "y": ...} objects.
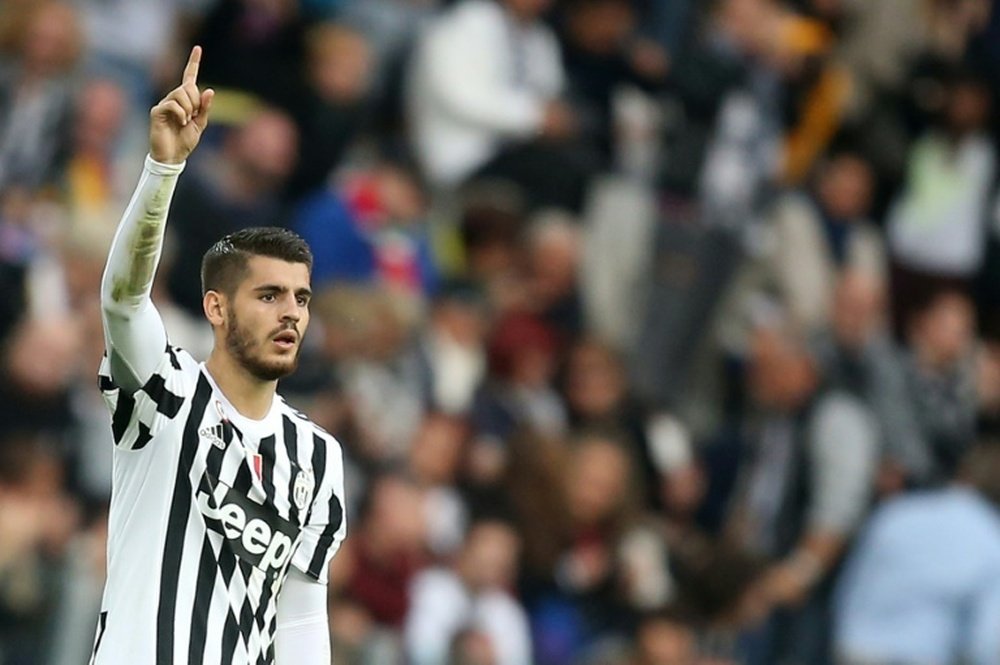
[{"x": 655, "y": 332}]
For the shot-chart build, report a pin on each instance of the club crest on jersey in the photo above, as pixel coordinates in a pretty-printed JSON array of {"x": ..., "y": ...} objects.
[{"x": 303, "y": 488}]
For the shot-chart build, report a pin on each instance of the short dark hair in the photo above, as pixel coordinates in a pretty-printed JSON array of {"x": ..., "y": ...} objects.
[{"x": 225, "y": 263}]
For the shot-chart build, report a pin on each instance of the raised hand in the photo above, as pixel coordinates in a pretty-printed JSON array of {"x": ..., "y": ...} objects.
[{"x": 176, "y": 123}]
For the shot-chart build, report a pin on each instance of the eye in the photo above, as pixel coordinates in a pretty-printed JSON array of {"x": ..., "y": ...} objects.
[
  {"x": 268, "y": 297},
  {"x": 303, "y": 301}
]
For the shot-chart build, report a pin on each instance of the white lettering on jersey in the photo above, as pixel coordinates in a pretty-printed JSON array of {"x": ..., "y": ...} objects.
[{"x": 256, "y": 533}]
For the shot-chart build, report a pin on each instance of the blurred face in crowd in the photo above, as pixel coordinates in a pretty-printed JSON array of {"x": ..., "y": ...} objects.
[
  {"x": 99, "y": 117},
  {"x": 782, "y": 376},
  {"x": 42, "y": 355},
  {"x": 598, "y": 477},
  {"x": 943, "y": 333},
  {"x": 600, "y": 26},
  {"x": 265, "y": 149},
  {"x": 968, "y": 108},
  {"x": 489, "y": 556},
  {"x": 664, "y": 642},
  {"x": 473, "y": 647},
  {"x": 267, "y": 316},
  {"x": 528, "y": 10},
  {"x": 554, "y": 255},
  {"x": 400, "y": 196},
  {"x": 845, "y": 187},
  {"x": 460, "y": 322},
  {"x": 747, "y": 23},
  {"x": 858, "y": 306},
  {"x": 595, "y": 380},
  {"x": 396, "y": 519},
  {"x": 52, "y": 41},
  {"x": 340, "y": 64},
  {"x": 437, "y": 449}
]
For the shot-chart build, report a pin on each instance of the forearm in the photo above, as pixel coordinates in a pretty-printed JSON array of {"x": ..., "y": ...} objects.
[
  {"x": 133, "y": 332},
  {"x": 816, "y": 555},
  {"x": 302, "y": 635},
  {"x": 135, "y": 251}
]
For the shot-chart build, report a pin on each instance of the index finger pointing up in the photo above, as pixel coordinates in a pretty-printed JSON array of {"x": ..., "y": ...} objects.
[{"x": 191, "y": 69}]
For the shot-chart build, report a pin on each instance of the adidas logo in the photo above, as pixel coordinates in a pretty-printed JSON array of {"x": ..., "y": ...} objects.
[{"x": 215, "y": 434}]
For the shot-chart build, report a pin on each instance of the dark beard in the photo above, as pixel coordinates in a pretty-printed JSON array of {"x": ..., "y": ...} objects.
[{"x": 240, "y": 343}]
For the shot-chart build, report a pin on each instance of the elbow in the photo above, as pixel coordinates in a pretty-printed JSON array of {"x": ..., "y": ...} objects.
[{"x": 116, "y": 303}]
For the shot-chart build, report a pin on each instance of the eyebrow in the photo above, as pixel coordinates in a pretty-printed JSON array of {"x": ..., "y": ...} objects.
[{"x": 274, "y": 288}]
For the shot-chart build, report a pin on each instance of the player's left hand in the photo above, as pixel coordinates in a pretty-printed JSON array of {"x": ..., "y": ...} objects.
[{"x": 177, "y": 122}]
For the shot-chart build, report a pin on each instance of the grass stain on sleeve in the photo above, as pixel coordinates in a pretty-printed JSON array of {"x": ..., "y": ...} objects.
[{"x": 144, "y": 248}]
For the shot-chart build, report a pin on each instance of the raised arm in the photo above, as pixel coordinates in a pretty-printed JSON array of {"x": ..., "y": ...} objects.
[{"x": 133, "y": 332}]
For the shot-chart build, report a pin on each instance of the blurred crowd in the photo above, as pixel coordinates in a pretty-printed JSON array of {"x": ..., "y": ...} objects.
[{"x": 655, "y": 332}]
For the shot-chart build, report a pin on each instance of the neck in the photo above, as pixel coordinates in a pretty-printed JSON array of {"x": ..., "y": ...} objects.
[{"x": 251, "y": 396}]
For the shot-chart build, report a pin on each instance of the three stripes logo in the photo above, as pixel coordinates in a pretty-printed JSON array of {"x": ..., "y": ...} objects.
[{"x": 216, "y": 435}]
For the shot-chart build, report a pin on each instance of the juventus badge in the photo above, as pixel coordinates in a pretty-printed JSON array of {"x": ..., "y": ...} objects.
[{"x": 303, "y": 489}]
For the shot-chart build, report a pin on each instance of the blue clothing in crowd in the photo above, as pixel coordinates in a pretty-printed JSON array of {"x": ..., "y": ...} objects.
[{"x": 923, "y": 586}]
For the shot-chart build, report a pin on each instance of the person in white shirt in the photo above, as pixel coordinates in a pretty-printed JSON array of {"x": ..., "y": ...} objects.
[
  {"x": 471, "y": 598},
  {"x": 483, "y": 98}
]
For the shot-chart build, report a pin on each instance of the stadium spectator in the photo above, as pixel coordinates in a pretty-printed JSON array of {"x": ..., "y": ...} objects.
[
  {"x": 486, "y": 83},
  {"x": 264, "y": 43},
  {"x": 810, "y": 461},
  {"x": 36, "y": 96},
  {"x": 335, "y": 102},
  {"x": 818, "y": 235},
  {"x": 572, "y": 588},
  {"x": 435, "y": 462},
  {"x": 450, "y": 352},
  {"x": 519, "y": 392},
  {"x": 601, "y": 56},
  {"x": 380, "y": 563},
  {"x": 923, "y": 584},
  {"x": 37, "y": 520},
  {"x": 935, "y": 228},
  {"x": 370, "y": 227},
  {"x": 940, "y": 382},
  {"x": 94, "y": 176},
  {"x": 472, "y": 595}
]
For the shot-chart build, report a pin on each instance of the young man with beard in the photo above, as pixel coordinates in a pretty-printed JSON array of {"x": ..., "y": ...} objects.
[{"x": 227, "y": 504}]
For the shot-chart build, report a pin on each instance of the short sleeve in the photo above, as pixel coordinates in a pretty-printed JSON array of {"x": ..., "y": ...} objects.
[
  {"x": 137, "y": 417},
  {"x": 326, "y": 527}
]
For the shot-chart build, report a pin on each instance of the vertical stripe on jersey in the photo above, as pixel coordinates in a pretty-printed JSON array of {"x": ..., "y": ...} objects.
[
  {"x": 180, "y": 508},
  {"x": 334, "y": 520},
  {"x": 230, "y": 632},
  {"x": 292, "y": 448},
  {"x": 208, "y": 564},
  {"x": 202, "y": 601},
  {"x": 268, "y": 462},
  {"x": 334, "y": 515},
  {"x": 102, "y": 624},
  {"x": 122, "y": 416},
  {"x": 246, "y": 613},
  {"x": 319, "y": 469}
]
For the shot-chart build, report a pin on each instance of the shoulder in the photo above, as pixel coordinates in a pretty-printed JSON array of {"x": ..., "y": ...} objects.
[
  {"x": 324, "y": 444},
  {"x": 182, "y": 360},
  {"x": 301, "y": 420},
  {"x": 792, "y": 210},
  {"x": 842, "y": 418}
]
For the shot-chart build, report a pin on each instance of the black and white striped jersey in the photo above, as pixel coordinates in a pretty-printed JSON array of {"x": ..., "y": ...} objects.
[{"x": 208, "y": 511}]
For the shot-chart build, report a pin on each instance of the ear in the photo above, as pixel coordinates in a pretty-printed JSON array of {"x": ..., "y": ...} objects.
[{"x": 214, "y": 304}]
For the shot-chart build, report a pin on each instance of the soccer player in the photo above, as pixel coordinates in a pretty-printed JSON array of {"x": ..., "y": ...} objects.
[{"x": 227, "y": 504}]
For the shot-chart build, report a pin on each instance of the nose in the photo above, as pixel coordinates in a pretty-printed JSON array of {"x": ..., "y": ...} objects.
[{"x": 291, "y": 311}]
